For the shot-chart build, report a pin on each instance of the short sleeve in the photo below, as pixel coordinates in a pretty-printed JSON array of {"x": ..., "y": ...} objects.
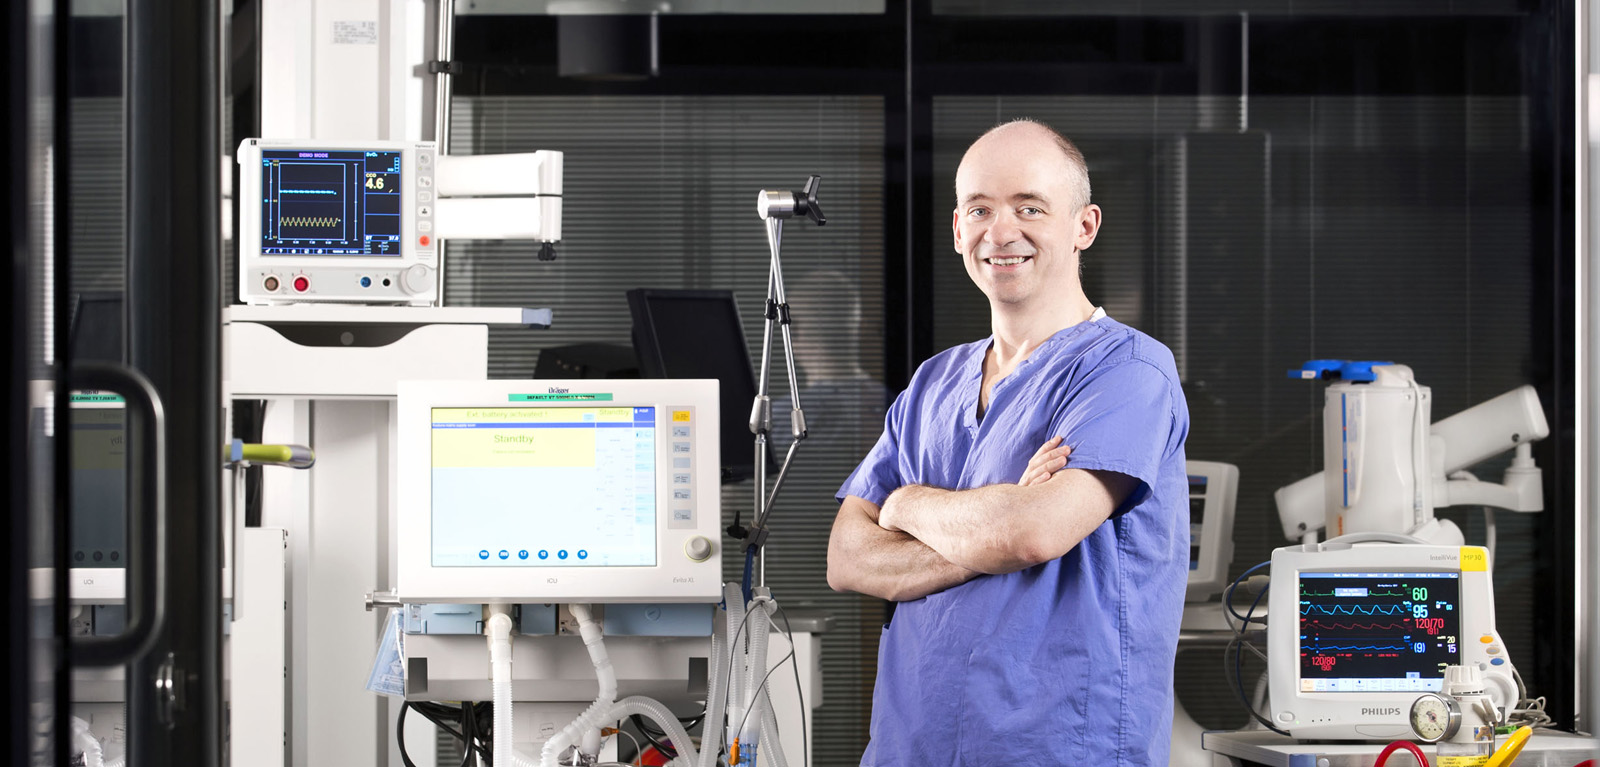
[
  {"x": 879, "y": 473},
  {"x": 1119, "y": 418}
]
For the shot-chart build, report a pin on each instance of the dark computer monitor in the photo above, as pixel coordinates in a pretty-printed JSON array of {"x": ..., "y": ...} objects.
[
  {"x": 698, "y": 334},
  {"x": 95, "y": 334}
]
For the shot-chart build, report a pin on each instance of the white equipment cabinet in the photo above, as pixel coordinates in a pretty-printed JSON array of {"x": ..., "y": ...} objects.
[{"x": 329, "y": 374}]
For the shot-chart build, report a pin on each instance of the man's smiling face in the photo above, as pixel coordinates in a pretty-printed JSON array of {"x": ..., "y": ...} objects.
[{"x": 1020, "y": 217}]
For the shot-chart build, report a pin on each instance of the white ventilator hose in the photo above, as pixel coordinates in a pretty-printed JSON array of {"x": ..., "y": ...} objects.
[
  {"x": 603, "y": 670},
  {"x": 647, "y": 707},
  {"x": 498, "y": 631},
  {"x": 758, "y": 624},
  {"x": 736, "y": 660},
  {"x": 587, "y": 725},
  {"x": 605, "y": 708},
  {"x": 773, "y": 754},
  {"x": 717, "y": 700}
]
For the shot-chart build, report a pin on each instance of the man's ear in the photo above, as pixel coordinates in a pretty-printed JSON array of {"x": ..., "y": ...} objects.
[
  {"x": 1088, "y": 227},
  {"x": 955, "y": 228}
]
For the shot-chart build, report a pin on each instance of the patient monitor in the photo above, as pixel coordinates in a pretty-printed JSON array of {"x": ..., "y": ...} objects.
[
  {"x": 559, "y": 491},
  {"x": 1213, "y": 489},
  {"x": 1359, "y": 631},
  {"x": 361, "y": 221}
]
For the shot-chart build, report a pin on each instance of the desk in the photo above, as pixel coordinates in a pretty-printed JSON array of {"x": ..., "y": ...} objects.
[{"x": 1245, "y": 747}]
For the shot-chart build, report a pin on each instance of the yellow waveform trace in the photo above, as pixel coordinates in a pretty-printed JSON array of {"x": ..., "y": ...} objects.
[{"x": 308, "y": 221}]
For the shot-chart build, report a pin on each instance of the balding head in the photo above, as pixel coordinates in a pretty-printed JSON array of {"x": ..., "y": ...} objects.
[{"x": 1014, "y": 138}]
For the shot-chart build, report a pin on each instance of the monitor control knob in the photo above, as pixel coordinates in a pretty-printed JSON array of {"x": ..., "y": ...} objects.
[
  {"x": 417, "y": 279},
  {"x": 698, "y": 548}
]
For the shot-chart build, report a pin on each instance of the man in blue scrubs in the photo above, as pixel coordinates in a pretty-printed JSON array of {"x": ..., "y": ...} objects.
[{"x": 1027, "y": 504}]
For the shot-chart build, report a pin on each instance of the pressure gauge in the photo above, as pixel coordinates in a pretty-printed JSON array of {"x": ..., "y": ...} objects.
[{"x": 1435, "y": 717}]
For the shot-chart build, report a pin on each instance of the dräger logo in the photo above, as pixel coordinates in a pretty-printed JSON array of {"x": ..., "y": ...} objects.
[
  {"x": 558, "y": 390},
  {"x": 1380, "y": 711}
]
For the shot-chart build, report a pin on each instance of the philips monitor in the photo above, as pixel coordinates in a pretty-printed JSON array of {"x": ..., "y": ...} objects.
[
  {"x": 698, "y": 334},
  {"x": 1213, "y": 488},
  {"x": 337, "y": 221},
  {"x": 1357, "y": 633},
  {"x": 558, "y": 491}
]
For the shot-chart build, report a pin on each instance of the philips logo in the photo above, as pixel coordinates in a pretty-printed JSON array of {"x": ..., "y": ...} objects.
[
  {"x": 1380, "y": 711},
  {"x": 558, "y": 390}
]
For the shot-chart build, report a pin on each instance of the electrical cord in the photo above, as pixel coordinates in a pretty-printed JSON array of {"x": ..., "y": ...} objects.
[
  {"x": 637, "y": 749},
  {"x": 469, "y": 726},
  {"x": 437, "y": 721},
  {"x": 654, "y": 734},
  {"x": 442, "y": 716},
  {"x": 1529, "y": 712},
  {"x": 1238, "y": 665},
  {"x": 638, "y": 721},
  {"x": 400, "y": 733},
  {"x": 728, "y": 683},
  {"x": 790, "y": 658},
  {"x": 1227, "y": 596}
]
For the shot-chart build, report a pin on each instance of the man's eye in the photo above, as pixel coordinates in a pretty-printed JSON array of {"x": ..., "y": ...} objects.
[
  {"x": 978, "y": 212},
  {"x": 1032, "y": 211}
]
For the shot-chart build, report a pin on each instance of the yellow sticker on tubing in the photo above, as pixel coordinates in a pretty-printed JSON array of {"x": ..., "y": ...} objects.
[{"x": 1474, "y": 559}]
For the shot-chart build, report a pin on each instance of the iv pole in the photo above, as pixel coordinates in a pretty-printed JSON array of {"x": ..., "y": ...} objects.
[{"x": 774, "y": 207}]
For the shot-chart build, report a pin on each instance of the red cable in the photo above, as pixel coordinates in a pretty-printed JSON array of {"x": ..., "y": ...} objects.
[{"x": 1383, "y": 756}]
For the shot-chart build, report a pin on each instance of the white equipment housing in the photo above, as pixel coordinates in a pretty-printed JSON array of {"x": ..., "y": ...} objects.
[
  {"x": 1386, "y": 465},
  {"x": 361, "y": 221},
  {"x": 559, "y": 491},
  {"x": 1213, "y": 489},
  {"x": 1359, "y": 631}
]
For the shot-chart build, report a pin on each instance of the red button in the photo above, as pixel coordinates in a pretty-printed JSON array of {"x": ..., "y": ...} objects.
[
  {"x": 301, "y": 284},
  {"x": 424, "y": 240}
]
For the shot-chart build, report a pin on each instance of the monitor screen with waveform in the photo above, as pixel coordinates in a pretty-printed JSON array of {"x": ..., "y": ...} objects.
[
  {"x": 330, "y": 203},
  {"x": 1378, "y": 632}
]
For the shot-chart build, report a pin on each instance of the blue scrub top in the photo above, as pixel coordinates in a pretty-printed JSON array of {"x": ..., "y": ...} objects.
[{"x": 1070, "y": 661}]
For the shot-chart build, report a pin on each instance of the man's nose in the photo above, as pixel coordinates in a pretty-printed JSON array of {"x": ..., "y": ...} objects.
[{"x": 1003, "y": 229}]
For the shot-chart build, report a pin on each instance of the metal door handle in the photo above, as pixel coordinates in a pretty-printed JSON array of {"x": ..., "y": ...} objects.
[{"x": 147, "y": 517}]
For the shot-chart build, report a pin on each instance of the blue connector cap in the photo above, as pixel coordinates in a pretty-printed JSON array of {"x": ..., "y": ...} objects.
[{"x": 1346, "y": 370}]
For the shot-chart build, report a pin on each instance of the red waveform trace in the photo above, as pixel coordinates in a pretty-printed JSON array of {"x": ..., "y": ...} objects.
[{"x": 1396, "y": 626}]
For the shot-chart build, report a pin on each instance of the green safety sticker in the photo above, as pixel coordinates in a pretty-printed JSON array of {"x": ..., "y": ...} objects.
[{"x": 563, "y": 397}]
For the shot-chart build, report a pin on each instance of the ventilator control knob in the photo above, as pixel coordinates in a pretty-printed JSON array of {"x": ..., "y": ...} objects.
[
  {"x": 698, "y": 548},
  {"x": 417, "y": 279}
]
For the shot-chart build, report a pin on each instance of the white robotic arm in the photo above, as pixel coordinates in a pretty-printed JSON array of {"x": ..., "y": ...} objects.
[
  {"x": 500, "y": 196},
  {"x": 1374, "y": 458}
]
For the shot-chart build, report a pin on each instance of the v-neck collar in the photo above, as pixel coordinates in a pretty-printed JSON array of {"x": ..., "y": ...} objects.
[{"x": 974, "y": 368}]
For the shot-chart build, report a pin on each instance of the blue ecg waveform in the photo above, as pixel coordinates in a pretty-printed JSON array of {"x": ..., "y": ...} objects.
[
  {"x": 1354, "y": 610},
  {"x": 1358, "y": 647}
]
